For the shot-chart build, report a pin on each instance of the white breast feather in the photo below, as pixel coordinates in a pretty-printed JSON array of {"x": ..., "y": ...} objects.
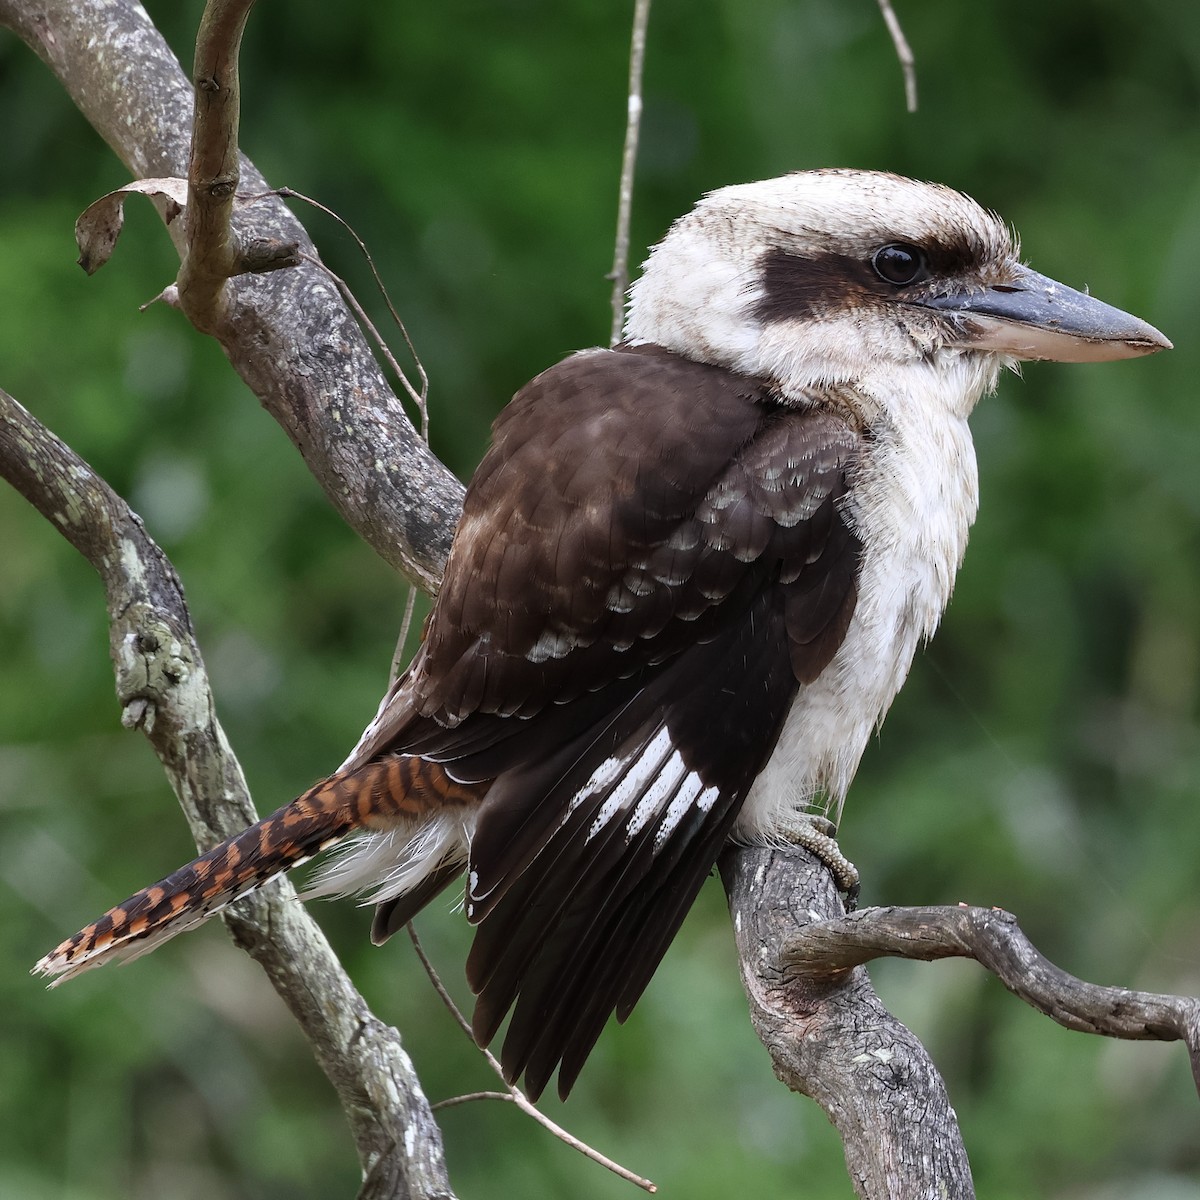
[{"x": 912, "y": 503}]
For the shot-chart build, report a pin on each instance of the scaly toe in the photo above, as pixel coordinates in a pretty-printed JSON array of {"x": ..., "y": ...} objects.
[{"x": 815, "y": 834}]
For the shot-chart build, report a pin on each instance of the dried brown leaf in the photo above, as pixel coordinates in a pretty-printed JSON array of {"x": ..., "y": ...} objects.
[{"x": 100, "y": 224}]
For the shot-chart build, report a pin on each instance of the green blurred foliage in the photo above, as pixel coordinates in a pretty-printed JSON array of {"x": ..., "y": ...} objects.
[{"x": 1044, "y": 756}]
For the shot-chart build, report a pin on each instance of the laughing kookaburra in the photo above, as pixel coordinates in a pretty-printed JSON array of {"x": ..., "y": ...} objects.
[{"x": 690, "y": 577}]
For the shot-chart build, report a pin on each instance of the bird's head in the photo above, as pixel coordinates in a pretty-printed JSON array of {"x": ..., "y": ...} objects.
[{"x": 846, "y": 277}]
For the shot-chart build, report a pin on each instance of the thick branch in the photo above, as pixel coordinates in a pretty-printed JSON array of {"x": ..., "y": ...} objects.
[
  {"x": 164, "y": 691},
  {"x": 830, "y": 1037},
  {"x": 298, "y": 348},
  {"x": 161, "y": 681},
  {"x": 288, "y": 335}
]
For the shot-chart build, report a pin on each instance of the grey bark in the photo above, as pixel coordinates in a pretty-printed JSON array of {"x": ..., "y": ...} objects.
[
  {"x": 164, "y": 692},
  {"x": 299, "y": 349},
  {"x": 289, "y": 335},
  {"x": 830, "y": 1037}
]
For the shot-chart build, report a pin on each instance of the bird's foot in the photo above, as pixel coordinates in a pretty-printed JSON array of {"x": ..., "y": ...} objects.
[{"x": 816, "y": 834}]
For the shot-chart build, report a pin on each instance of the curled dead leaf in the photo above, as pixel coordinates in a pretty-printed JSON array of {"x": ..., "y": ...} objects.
[{"x": 100, "y": 224}]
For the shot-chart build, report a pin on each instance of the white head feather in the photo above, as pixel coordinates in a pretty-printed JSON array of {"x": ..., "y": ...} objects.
[{"x": 704, "y": 283}]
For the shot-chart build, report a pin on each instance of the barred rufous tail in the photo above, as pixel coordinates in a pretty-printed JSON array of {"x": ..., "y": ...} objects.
[{"x": 381, "y": 794}]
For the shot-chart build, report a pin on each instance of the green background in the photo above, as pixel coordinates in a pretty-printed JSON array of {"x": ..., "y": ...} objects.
[{"x": 1044, "y": 756}]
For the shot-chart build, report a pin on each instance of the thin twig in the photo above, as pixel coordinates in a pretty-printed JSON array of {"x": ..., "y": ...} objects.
[
  {"x": 904, "y": 53},
  {"x": 421, "y": 398},
  {"x": 213, "y": 166},
  {"x": 518, "y": 1097},
  {"x": 418, "y": 398},
  {"x": 633, "y": 125},
  {"x": 410, "y": 607},
  {"x": 439, "y": 986},
  {"x": 455, "y": 1101}
]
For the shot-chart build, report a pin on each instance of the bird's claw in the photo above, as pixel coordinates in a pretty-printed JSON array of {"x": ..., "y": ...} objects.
[{"x": 816, "y": 834}]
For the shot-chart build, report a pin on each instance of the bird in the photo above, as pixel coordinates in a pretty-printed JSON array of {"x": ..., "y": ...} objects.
[{"x": 691, "y": 574}]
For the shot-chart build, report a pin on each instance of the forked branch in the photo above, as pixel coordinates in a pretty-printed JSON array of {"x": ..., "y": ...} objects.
[
  {"x": 830, "y": 1037},
  {"x": 296, "y": 345},
  {"x": 288, "y": 334},
  {"x": 993, "y": 938}
]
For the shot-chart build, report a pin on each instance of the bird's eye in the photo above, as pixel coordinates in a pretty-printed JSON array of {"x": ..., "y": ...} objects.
[{"x": 899, "y": 263}]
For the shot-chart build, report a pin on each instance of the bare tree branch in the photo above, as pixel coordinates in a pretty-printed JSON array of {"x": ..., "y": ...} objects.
[
  {"x": 993, "y": 938},
  {"x": 830, "y": 1037},
  {"x": 514, "y": 1093},
  {"x": 164, "y": 691},
  {"x": 160, "y": 674},
  {"x": 214, "y": 252},
  {"x": 288, "y": 334},
  {"x": 298, "y": 348},
  {"x": 419, "y": 395},
  {"x": 471, "y": 1097},
  {"x": 161, "y": 681}
]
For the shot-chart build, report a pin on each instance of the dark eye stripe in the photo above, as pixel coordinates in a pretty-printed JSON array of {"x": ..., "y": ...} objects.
[
  {"x": 805, "y": 287},
  {"x": 795, "y": 287}
]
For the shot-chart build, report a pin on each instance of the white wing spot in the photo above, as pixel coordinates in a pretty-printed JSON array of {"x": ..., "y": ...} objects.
[
  {"x": 666, "y": 783},
  {"x": 601, "y": 777},
  {"x": 638, "y": 775},
  {"x": 688, "y": 790}
]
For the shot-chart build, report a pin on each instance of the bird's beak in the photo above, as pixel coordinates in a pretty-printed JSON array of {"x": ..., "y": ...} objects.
[{"x": 1032, "y": 317}]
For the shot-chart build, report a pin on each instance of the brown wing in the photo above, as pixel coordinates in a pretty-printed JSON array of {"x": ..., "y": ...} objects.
[
  {"x": 630, "y": 503},
  {"x": 653, "y": 558}
]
